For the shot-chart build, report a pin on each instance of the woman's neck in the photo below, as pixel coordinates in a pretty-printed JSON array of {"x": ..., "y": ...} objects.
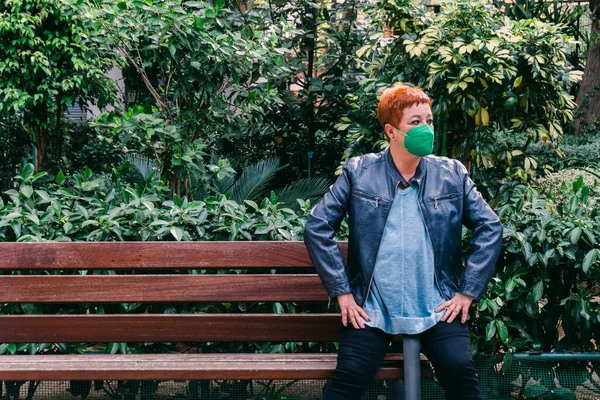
[{"x": 405, "y": 162}]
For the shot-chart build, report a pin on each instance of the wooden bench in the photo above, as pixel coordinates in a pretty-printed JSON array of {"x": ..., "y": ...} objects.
[{"x": 158, "y": 272}]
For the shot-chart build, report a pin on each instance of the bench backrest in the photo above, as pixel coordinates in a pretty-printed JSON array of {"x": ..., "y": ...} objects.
[{"x": 161, "y": 272}]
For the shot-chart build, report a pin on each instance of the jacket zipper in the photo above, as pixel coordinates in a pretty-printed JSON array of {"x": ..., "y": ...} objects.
[
  {"x": 376, "y": 258},
  {"x": 429, "y": 236},
  {"x": 372, "y": 276},
  {"x": 435, "y": 199},
  {"x": 368, "y": 196}
]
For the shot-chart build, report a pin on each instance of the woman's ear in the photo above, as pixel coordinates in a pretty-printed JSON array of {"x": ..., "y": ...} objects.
[{"x": 389, "y": 131}]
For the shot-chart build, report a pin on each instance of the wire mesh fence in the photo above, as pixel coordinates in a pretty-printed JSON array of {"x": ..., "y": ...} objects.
[{"x": 526, "y": 379}]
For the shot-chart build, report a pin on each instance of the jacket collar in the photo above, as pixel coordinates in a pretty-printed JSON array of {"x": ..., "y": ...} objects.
[{"x": 417, "y": 177}]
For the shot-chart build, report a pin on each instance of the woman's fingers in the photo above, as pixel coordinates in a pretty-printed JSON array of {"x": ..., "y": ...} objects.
[
  {"x": 356, "y": 321},
  {"x": 444, "y": 305},
  {"x": 355, "y": 318},
  {"x": 455, "y": 311},
  {"x": 364, "y": 314},
  {"x": 459, "y": 304},
  {"x": 353, "y": 315},
  {"x": 450, "y": 305},
  {"x": 455, "y": 308}
]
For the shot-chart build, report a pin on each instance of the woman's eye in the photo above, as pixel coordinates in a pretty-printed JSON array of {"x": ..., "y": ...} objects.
[
  {"x": 415, "y": 122},
  {"x": 430, "y": 121}
]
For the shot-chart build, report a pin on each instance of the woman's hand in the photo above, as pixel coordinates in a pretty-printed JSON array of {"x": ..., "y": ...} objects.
[
  {"x": 351, "y": 311},
  {"x": 459, "y": 304}
]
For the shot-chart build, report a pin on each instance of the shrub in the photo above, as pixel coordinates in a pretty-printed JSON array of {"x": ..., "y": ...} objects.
[
  {"x": 573, "y": 151},
  {"x": 91, "y": 208},
  {"x": 484, "y": 72},
  {"x": 544, "y": 294},
  {"x": 554, "y": 182},
  {"x": 16, "y": 147},
  {"x": 542, "y": 297},
  {"x": 49, "y": 59},
  {"x": 107, "y": 208}
]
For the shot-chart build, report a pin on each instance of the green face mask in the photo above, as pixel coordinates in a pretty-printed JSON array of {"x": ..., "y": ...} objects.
[{"x": 418, "y": 140}]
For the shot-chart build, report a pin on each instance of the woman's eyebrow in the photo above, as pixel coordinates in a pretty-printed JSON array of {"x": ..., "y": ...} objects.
[{"x": 418, "y": 116}]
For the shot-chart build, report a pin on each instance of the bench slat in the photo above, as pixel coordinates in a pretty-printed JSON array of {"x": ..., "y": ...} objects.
[
  {"x": 156, "y": 255},
  {"x": 185, "y": 366},
  {"x": 159, "y": 288},
  {"x": 168, "y": 328}
]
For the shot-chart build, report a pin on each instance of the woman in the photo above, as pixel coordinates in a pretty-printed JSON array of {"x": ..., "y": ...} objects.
[{"x": 404, "y": 272}]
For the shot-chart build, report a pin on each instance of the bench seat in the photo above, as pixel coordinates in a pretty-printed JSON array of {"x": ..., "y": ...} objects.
[{"x": 78, "y": 288}]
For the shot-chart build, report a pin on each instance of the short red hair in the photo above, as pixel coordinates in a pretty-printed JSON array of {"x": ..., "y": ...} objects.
[{"x": 394, "y": 100}]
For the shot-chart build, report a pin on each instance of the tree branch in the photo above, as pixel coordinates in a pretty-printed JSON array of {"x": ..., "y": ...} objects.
[{"x": 146, "y": 80}]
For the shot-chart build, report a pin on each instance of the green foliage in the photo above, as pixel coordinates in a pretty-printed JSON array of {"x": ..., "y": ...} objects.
[
  {"x": 483, "y": 71},
  {"x": 210, "y": 68},
  {"x": 145, "y": 131},
  {"x": 321, "y": 75},
  {"x": 553, "y": 182},
  {"x": 569, "y": 14},
  {"x": 16, "y": 147},
  {"x": 83, "y": 147},
  {"x": 256, "y": 180},
  {"x": 49, "y": 60},
  {"x": 524, "y": 160},
  {"x": 80, "y": 147},
  {"x": 581, "y": 151},
  {"x": 89, "y": 208},
  {"x": 543, "y": 295},
  {"x": 204, "y": 67}
]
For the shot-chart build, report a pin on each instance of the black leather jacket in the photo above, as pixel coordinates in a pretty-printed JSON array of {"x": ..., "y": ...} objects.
[{"x": 447, "y": 199}]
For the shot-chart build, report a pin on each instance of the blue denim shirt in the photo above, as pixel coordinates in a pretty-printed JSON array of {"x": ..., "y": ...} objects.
[{"x": 403, "y": 294}]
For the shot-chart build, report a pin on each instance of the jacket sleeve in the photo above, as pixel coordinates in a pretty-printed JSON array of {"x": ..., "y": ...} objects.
[
  {"x": 325, "y": 218},
  {"x": 486, "y": 241}
]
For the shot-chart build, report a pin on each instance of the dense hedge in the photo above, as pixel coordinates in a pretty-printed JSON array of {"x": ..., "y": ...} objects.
[
  {"x": 545, "y": 285},
  {"x": 87, "y": 207},
  {"x": 544, "y": 294}
]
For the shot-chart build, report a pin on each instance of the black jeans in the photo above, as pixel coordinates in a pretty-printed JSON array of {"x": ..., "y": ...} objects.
[{"x": 361, "y": 352}]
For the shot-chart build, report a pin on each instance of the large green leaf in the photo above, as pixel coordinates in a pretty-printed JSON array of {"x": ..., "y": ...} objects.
[
  {"x": 562, "y": 393},
  {"x": 507, "y": 361},
  {"x": 306, "y": 189},
  {"x": 534, "y": 391},
  {"x": 502, "y": 330},
  {"x": 589, "y": 259},
  {"x": 254, "y": 181},
  {"x": 143, "y": 165},
  {"x": 490, "y": 330}
]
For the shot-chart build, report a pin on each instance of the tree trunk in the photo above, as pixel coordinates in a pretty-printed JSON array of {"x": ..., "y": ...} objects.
[
  {"x": 588, "y": 97},
  {"x": 57, "y": 142},
  {"x": 310, "y": 98},
  {"x": 41, "y": 147}
]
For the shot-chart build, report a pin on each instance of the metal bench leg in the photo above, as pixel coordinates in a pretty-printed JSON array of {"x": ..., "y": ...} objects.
[{"x": 412, "y": 367}]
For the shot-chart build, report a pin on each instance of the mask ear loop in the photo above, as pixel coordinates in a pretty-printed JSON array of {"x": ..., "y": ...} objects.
[{"x": 394, "y": 138}]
